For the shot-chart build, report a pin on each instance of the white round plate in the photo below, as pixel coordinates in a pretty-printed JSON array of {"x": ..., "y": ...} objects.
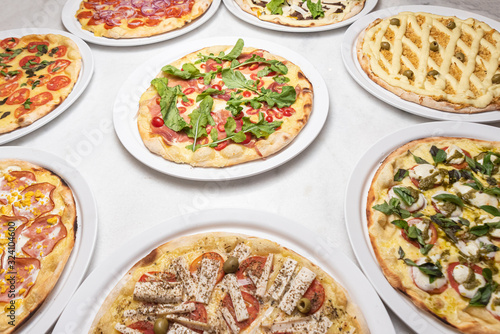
[
  {"x": 84, "y": 305},
  {"x": 86, "y": 232},
  {"x": 355, "y": 213},
  {"x": 351, "y": 63},
  {"x": 80, "y": 85},
  {"x": 127, "y": 105},
  {"x": 249, "y": 18},
  {"x": 73, "y": 25}
]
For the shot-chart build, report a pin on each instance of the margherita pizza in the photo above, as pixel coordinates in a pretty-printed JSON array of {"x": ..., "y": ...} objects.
[
  {"x": 219, "y": 106},
  {"x": 226, "y": 283},
  {"x": 138, "y": 18},
  {"x": 37, "y": 72},
  {"x": 441, "y": 62},
  {"x": 299, "y": 13},
  {"x": 434, "y": 223},
  {"x": 37, "y": 234}
]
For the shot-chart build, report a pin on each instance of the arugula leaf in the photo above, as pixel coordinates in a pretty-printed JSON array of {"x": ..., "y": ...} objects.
[
  {"x": 189, "y": 71},
  {"x": 286, "y": 98},
  {"x": 208, "y": 92},
  {"x": 274, "y": 65},
  {"x": 265, "y": 71},
  {"x": 235, "y": 102},
  {"x": 491, "y": 210},
  {"x": 449, "y": 227},
  {"x": 281, "y": 79},
  {"x": 275, "y": 6},
  {"x": 438, "y": 155},
  {"x": 401, "y": 174},
  {"x": 230, "y": 127},
  {"x": 236, "y": 79},
  {"x": 168, "y": 104},
  {"x": 200, "y": 117},
  {"x": 418, "y": 160},
  {"x": 450, "y": 198},
  {"x": 315, "y": 9},
  {"x": 232, "y": 55},
  {"x": 405, "y": 195}
]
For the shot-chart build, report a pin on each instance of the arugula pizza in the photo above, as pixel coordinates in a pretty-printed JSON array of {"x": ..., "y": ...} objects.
[
  {"x": 219, "y": 106},
  {"x": 434, "y": 223},
  {"x": 37, "y": 73},
  {"x": 226, "y": 283},
  {"x": 37, "y": 234}
]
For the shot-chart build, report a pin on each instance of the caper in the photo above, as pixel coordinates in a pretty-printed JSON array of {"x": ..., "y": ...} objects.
[
  {"x": 460, "y": 56},
  {"x": 496, "y": 79},
  {"x": 385, "y": 45},
  {"x": 304, "y": 305},
  {"x": 395, "y": 22},
  {"x": 161, "y": 326},
  {"x": 451, "y": 25},
  {"x": 231, "y": 265},
  {"x": 434, "y": 46},
  {"x": 408, "y": 74},
  {"x": 432, "y": 73}
]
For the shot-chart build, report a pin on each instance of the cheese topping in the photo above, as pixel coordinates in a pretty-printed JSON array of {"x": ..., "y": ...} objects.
[
  {"x": 447, "y": 208},
  {"x": 125, "y": 330},
  {"x": 285, "y": 274},
  {"x": 178, "y": 329},
  {"x": 469, "y": 281},
  {"x": 230, "y": 320},
  {"x": 419, "y": 203},
  {"x": 299, "y": 286},
  {"x": 240, "y": 309},
  {"x": 241, "y": 251},
  {"x": 454, "y": 155},
  {"x": 423, "y": 171},
  {"x": 494, "y": 304},
  {"x": 422, "y": 280},
  {"x": 207, "y": 279},
  {"x": 262, "y": 282},
  {"x": 182, "y": 270},
  {"x": 158, "y": 292}
]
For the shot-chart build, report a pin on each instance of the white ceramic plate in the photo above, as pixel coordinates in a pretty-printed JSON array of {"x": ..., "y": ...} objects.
[
  {"x": 80, "y": 85},
  {"x": 86, "y": 302},
  {"x": 78, "y": 262},
  {"x": 351, "y": 63},
  {"x": 247, "y": 17},
  {"x": 73, "y": 25},
  {"x": 355, "y": 209},
  {"x": 127, "y": 104}
]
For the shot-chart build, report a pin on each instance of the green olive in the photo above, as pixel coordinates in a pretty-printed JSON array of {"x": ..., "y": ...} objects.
[
  {"x": 496, "y": 79},
  {"x": 395, "y": 22},
  {"x": 432, "y": 73},
  {"x": 451, "y": 25},
  {"x": 408, "y": 74},
  {"x": 460, "y": 56},
  {"x": 231, "y": 265},
  {"x": 161, "y": 326},
  {"x": 434, "y": 46},
  {"x": 304, "y": 305},
  {"x": 385, "y": 46}
]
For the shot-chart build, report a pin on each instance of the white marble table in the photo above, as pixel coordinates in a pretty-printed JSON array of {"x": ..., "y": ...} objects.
[{"x": 309, "y": 189}]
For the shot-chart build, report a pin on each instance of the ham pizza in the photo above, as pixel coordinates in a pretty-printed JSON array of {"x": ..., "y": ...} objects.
[
  {"x": 224, "y": 105},
  {"x": 37, "y": 234},
  {"x": 434, "y": 223},
  {"x": 226, "y": 283},
  {"x": 37, "y": 73}
]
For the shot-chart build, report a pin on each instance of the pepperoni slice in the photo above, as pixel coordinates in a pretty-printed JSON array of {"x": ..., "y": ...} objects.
[
  {"x": 253, "y": 266},
  {"x": 41, "y": 99},
  {"x": 454, "y": 284},
  {"x": 32, "y": 59},
  {"x": 145, "y": 327},
  {"x": 84, "y": 15},
  {"x": 58, "y": 82},
  {"x": 7, "y": 88},
  {"x": 157, "y": 276},
  {"x": 43, "y": 235},
  {"x": 9, "y": 43},
  {"x": 196, "y": 264},
  {"x": 26, "y": 269},
  {"x": 432, "y": 229},
  {"x": 463, "y": 164},
  {"x": 35, "y": 200},
  {"x": 316, "y": 294},
  {"x": 252, "y": 305},
  {"x": 135, "y": 24},
  {"x": 7, "y": 222},
  {"x": 19, "y": 96},
  {"x": 61, "y": 51},
  {"x": 58, "y": 66},
  {"x": 33, "y": 46}
]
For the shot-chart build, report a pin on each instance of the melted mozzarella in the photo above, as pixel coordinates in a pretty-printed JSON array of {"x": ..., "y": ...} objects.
[
  {"x": 460, "y": 274},
  {"x": 471, "y": 248},
  {"x": 496, "y": 232},
  {"x": 440, "y": 205},
  {"x": 422, "y": 280},
  {"x": 420, "y": 203},
  {"x": 451, "y": 151},
  {"x": 424, "y": 170},
  {"x": 494, "y": 309}
]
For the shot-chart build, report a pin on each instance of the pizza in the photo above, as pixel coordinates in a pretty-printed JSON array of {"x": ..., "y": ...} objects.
[
  {"x": 37, "y": 234},
  {"x": 37, "y": 73},
  {"x": 434, "y": 223},
  {"x": 138, "y": 18},
  {"x": 440, "y": 62},
  {"x": 224, "y": 105},
  {"x": 223, "y": 282},
  {"x": 298, "y": 13}
]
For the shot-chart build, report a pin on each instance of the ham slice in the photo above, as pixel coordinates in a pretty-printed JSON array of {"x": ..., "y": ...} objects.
[
  {"x": 41, "y": 236},
  {"x": 26, "y": 271},
  {"x": 35, "y": 200}
]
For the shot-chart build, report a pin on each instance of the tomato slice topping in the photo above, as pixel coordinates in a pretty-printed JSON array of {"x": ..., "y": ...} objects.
[
  {"x": 7, "y": 88},
  {"x": 196, "y": 264},
  {"x": 145, "y": 327},
  {"x": 61, "y": 51},
  {"x": 248, "y": 139},
  {"x": 454, "y": 284},
  {"x": 32, "y": 59},
  {"x": 9, "y": 42},
  {"x": 19, "y": 96},
  {"x": 199, "y": 314},
  {"x": 58, "y": 66},
  {"x": 41, "y": 99},
  {"x": 253, "y": 265},
  {"x": 221, "y": 145},
  {"x": 157, "y": 276},
  {"x": 58, "y": 82},
  {"x": 33, "y": 46},
  {"x": 252, "y": 305},
  {"x": 21, "y": 110},
  {"x": 432, "y": 229},
  {"x": 316, "y": 294}
]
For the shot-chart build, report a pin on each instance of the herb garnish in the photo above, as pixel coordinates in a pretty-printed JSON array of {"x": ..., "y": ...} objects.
[
  {"x": 315, "y": 9},
  {"x": 393, "y": 207},
  {"x": 483, "y": 295},
  {"x": 438, "y": 155},
  {"x": 430, "y": 269}
]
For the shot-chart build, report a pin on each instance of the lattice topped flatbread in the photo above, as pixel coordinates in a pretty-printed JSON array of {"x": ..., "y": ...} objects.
[{"x": 441, "y": 62}]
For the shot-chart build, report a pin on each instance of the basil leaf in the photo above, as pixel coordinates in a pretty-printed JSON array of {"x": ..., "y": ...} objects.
[
  {"x": 405, "y": 195},
  {"x": 426, "y": 249},
  {"x": 430, "y": 269},
  {"x": 492, "y": 191},
  {"x": 275, "y": 7},
  {"x": 491, "y": 210},
  {"x": 384, "y": 208},
  {"x": 168, "y": 104},
  {"x": 448, "y": 226},
  {"x": 483, "y": 295},
  {"x": 418, "y": 160},
  {"x": 2, "y": 102},
  {"x": 450, "y": 198},
  {"x": 400, "y": 223},
  {"x": 27, "y": 104},
  {"x": 401, "y": 253},
  {"x": 438, "y": 155},
  {"x": 474, "y": 165},
  {"x": 454, "y": 175},
  {"x": 315, "y": 9},
  {"x": 417, "y": 214},
  {"x": 410, "y": 263},
  {"x": 209, "y": 92},
  {"x": 489, "y": 248},
  {"x": 401, "y": 174},
  {"x": 5, "y": 114},
  {"x": 479, "y": 230},
  {"x": 464, "y": 221}
]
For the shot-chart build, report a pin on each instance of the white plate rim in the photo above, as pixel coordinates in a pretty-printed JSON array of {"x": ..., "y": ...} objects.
[
  {"x": 73, "y": 25},
  {"x": 83, "y": 80},
  {"x": 125, "y": 111},
  {"x": 87, "y": 221},
  {"x": 348, "y": 50},
  {"x": 355, "y": 218},
  {"x": 236, "y": 10},
  {"x": 85, "y": 303}
]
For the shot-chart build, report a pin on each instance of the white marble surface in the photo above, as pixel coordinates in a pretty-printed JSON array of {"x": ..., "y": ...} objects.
[{"x": 132, "y": 197}]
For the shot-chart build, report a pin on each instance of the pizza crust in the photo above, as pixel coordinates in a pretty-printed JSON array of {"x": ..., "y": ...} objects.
[{"x": 380, "y": 230}]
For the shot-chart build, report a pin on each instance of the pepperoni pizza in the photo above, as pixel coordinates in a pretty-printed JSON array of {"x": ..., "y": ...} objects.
[
  {"x": 37, "y": 234},
  {"x": 138, "y": 18},
  {"x": 226, "y": 283},
  {"x": 37, "y": 72}
]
